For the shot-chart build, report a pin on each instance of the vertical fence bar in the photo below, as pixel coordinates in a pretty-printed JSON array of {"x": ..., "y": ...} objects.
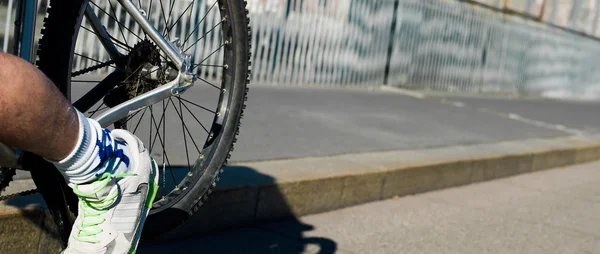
[
  {"x": 279, "y": 45},
  {"x": 355, "y": 49},
  {"x": 259, "y": 40},
  {"x": 299, "y": 36},
  {"x": 308, "y": 23},
  {"x": 388, "y": 60},
  {"x": 262, "y": 42},
  {"x": 338, "y": 28},
  {"x": 310, "y": 42},
  {"x": 415, "y": 40},
  {"x": 288, "y": 43},
  {"x": 352, "y": 50}
]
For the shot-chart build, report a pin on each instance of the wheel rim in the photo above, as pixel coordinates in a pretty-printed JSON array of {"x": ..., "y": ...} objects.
[{"x": 187, "y": 114}]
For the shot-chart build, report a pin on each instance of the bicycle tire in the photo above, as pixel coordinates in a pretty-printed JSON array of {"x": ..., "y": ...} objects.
[{"x": 55, "y": 57}]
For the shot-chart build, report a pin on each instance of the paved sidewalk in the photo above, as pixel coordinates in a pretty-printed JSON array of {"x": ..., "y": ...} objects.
[{"x": 555, "y": 211}]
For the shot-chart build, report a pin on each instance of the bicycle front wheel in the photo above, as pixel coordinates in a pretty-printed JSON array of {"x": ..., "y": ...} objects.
[{"x": 190, "y": 135}]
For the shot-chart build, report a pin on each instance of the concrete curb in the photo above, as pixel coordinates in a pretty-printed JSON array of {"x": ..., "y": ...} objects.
[
  {"x": 256, "y": 192},
  {"x": 298, "y": 187}
]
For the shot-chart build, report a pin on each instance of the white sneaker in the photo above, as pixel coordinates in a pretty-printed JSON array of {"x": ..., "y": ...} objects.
[{"x": 113, "y": 208}]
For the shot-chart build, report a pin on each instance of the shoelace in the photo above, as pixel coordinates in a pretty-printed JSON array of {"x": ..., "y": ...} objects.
[{"x": 92, "y": 209}]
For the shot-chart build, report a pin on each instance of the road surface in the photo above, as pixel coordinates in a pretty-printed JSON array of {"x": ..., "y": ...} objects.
[{"x": 554, "y": 211}]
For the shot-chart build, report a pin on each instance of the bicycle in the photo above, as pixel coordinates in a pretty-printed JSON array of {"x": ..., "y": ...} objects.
[{"x": 149, "y": 70}]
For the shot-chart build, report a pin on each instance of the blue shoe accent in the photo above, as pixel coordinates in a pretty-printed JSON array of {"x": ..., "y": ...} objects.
[{"x": 108, "y": 153}]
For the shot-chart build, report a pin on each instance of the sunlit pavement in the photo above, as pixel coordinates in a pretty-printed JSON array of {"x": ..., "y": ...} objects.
[{"x": 554, "y": 211}]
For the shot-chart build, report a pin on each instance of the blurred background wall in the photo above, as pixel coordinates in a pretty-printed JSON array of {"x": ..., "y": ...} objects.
[{"x": 519, "y": 47}]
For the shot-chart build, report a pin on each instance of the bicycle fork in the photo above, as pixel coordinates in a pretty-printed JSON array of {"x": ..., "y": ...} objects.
[{"x": 24, "y": 31}]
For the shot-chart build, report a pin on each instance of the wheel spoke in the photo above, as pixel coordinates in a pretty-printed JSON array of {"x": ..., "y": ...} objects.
[
  {"x": 212, "y": 53},
  {"x": 87, "y": 81},
  {"x": 165, "y": 145},
  {"x": 181, "y": 15},
  {"x": 131, "y": 116},
  {"x": 157, "y": 129},
  {"x": 197, "y": 25},
  {"x": 194, "y": 116},
  {"x": 190, "y": 16},
  {"x": 149, "y": 9},
  {"x": 133, "y": 73},
  {"x": 118, "y": 43},
  {"x": 198, "y": 106},
  {"x": 121, "y": 26},
  {"x": 187, "y": 153},
  {"x": 150, "y": 145},
  {"x": 171, "y": 3},
  {"x": 101, "y": 33},
  {"x": 95, "y": 60},
  {"x": 162, "y": 142},
  {"x": 163, "y": 14},
  {"x": 208, "y": 65},
  {"x": 185, "y": 126},
  {"x": 138, "y": 123},
  {"x": 112, "y": 8},
  {"x": 209, "y": 31},
  {"x": 96, "y": 110},
  {"x": 160, "y": 139},
  {"x": 211, "y": 84}
]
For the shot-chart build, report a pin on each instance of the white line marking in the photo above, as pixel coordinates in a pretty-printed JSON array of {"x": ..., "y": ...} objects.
[{"x": 403, "y": 92}]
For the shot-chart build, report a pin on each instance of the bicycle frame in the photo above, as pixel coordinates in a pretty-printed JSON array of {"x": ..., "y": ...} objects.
[
  {"x": 24, "y": 36},
  {"x": 24, "y": 32},
  {"x": 182, "y": 62}
]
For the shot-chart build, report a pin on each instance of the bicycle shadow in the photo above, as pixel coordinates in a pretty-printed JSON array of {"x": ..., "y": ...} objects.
[
  {"x": 34, "y": 218},
  {"x": 204, "y": 232},
  {"x": 37, "y": 228},
  {"x": 244, "y": 232}
]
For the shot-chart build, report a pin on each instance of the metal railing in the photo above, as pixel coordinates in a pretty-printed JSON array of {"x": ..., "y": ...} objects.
[
  {"x": 453, "y": 47},
  {"x": 420, "y": 44}
]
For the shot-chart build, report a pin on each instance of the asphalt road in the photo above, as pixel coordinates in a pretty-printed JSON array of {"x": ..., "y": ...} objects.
[
  {"x": 284, "y": 122},
  {"x": 584, "y": 116},
  {"x": 292, "y": 122},
  {"x": 554, "y": 211}
]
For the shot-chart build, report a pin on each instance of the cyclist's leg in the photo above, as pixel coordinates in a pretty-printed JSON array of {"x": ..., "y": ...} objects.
[
  {"x": 34, "y": 115},
  {"x": 111, "y": 172}
]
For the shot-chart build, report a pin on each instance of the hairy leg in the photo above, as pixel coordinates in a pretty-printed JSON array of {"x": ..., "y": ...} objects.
[{"x": 34, "y": 115}]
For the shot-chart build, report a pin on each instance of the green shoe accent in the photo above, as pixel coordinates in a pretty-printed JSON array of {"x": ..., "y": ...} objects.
[
  {"x": 151, "y": 193},
  {"x": 92, "y": 208},
  {"x": 152, "y": 187}
]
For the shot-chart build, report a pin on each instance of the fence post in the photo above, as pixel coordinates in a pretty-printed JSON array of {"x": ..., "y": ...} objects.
[{"x": 386, "y": 74}]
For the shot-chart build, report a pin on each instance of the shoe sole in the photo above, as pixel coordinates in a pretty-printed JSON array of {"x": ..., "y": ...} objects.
[{"x": 152, "y": 190}]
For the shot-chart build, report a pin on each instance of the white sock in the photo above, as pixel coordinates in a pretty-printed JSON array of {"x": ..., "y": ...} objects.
[{"x": 95, "y": 153}]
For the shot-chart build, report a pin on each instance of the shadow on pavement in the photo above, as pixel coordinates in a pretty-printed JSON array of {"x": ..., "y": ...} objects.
[
  {"x": 227, "y": 223},
  {"x": 215, "y": 228}
]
